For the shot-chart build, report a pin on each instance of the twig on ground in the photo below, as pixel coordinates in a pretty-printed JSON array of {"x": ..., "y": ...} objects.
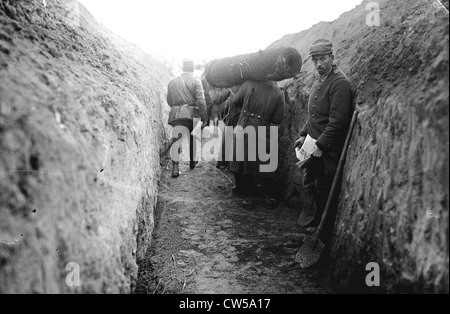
[
  {"x": 165, "y": 285},
  {"x": 191, "y": 272},
  {"x": 174, "y": 261},
  {"x": 185, "y": 278},
  {"x": 159, "y": 282},
  {"x": 184, "y": 284}
]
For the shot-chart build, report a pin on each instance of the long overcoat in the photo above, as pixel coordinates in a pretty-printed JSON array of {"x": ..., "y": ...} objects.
[{"x": 262, "y": 106}]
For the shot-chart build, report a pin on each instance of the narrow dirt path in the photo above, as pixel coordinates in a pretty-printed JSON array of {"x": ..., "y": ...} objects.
[{"x": 207, "y": 242}]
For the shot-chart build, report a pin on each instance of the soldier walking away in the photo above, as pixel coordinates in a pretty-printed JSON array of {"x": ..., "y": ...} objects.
[
  {"x": 330, "y": 111},
  {"x": 186, "y": 98},
  {"x": 262, "y": 105}
]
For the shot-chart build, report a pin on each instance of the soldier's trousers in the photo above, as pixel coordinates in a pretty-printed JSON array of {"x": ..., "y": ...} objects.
[
  {"x": 188, "y": 128},
  {"x": 317, "y": 181}
]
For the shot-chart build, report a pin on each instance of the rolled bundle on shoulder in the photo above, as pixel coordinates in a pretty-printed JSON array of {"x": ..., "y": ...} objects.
[{"x": 274, "y": 64}]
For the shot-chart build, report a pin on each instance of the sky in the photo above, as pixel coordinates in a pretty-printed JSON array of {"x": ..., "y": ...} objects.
[{"x": 210, "y": 29}]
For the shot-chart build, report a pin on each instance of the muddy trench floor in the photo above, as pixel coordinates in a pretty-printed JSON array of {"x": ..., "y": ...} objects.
[{"x": 209, "y": 241}]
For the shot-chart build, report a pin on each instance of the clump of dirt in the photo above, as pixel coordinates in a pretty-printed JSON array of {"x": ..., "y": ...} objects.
[
  {"x": 395, "y": 199},
  {"x": 81, "y": 124}
]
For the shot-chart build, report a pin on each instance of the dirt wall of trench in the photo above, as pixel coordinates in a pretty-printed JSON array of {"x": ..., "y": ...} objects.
[
  {"x": 81, "y": 126},
  {"x": 395, "y": 199}
]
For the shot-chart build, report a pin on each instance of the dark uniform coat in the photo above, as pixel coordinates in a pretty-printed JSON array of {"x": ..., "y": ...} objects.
[
  {"x": 232, "y": 113},
  {"x": 262, "y": 105},
  {"x": 330, "y": 110}
]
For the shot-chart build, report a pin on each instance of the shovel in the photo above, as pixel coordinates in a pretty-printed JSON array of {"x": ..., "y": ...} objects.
[{"x": 312, "y": 248}]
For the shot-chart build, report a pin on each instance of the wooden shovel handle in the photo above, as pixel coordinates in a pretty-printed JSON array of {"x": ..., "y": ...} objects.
[{"x": 338, "y": 171}]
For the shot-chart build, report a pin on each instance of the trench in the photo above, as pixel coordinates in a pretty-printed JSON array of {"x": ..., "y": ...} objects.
[
  {"x": 67, "y": 92},
  {"x": 207, "y": 240}
]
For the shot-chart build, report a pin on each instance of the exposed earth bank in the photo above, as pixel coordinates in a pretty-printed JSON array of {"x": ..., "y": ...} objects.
[
  {"x": 81, "y": 116},
  {"x": 395, "y": 200}
]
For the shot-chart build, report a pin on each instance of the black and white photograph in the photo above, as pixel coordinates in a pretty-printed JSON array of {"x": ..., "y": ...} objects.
[{"x": 230, "y": 154}]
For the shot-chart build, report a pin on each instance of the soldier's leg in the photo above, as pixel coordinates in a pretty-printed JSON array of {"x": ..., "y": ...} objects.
[
  {"x": 222, "y": 162},
  {"x": 179, "y": 133},
  {"x": 329, "y": 171},
  {"x": 325, "y": 177},
  {"x": 178, "y": 140},
  {"x": 192, "y": 148},
  {"x": 209, "y": 114},
  {"x": 216, "y": 124},
  {"x": 308, "y": 210},
  {"x": 176, "y": 159}
]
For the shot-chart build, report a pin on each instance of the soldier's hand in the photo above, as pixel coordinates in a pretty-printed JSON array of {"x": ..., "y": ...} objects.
[
  {"x": 317, "y": 152},
  {"x": 300, "y": 141}
]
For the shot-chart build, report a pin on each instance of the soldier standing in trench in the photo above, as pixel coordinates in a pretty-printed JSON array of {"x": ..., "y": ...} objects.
[
  {"x": 262, "y": 106},
  {"x": 187, "y": 99},
  {"x": 330, "y": 110}
]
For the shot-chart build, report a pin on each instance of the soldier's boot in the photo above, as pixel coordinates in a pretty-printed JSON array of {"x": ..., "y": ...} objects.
[
  {"x": 308, "y": 213},
  {"x": 175, "y": 169}
]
